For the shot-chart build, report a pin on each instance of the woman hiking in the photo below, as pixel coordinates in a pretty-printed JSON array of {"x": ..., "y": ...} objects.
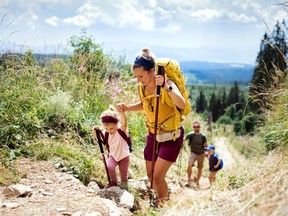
[{"x": 170, "y": 132}]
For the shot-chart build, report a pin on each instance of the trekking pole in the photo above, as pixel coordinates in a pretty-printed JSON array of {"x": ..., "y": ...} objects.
[
  {"x": 100, "y": 138},
  {"x": 158, "y": 92},
  {"x": 180, "y": 167}
]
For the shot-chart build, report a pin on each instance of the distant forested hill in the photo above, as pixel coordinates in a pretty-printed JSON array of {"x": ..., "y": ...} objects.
[
  {"x": 195, "y": 72},
  {"x": 217, "y": 73}
]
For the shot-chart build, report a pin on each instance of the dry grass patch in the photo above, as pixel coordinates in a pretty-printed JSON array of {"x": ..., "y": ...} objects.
[{"x": 260, "y": 188}]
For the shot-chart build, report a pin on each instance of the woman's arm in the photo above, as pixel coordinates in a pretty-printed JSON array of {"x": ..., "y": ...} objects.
[
  {"x": 173, "y": 92},
  {"x": 131, "y": 107}
]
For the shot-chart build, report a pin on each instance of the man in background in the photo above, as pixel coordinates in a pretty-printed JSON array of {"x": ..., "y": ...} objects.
[{"x": 197, "y": 143}]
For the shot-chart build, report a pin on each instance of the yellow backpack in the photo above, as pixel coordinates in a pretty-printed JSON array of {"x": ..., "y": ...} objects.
[{"x": 173, "y": 72}]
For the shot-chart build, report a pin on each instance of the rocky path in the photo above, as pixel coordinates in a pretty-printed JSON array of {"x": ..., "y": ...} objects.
[
  {"x": 56, "y": 193},
  {"x": 59, "y": 193}
]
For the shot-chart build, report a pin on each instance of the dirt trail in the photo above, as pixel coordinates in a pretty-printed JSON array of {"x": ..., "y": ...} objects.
[
  {"x": 225, "y": 151},
  {"x": 228, "y": 153},
  {"x": 57, "y": 193}
]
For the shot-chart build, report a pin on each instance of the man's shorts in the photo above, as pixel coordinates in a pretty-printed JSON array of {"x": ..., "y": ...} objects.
[
  {"x": 199, "y": 158},
  {"x": 168, "y": 150}
]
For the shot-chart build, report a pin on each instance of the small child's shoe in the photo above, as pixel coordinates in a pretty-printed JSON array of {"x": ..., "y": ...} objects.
[
  {"x": 108, "y": 185},
  {"x": 188, "y": 184},
  {"x": 124, "y": 187}
]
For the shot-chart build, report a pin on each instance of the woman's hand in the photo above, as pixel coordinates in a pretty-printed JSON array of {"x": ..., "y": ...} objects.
[
  {"x": 121, "y": 107},
  {"x": 159, "y": 80}
]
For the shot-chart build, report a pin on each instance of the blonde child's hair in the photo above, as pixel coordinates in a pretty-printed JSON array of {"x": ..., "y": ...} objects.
[{"x": 111, "y": 111}]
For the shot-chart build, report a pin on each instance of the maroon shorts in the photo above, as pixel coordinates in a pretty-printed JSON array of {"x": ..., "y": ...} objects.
[{"x": 168, "y": 150}]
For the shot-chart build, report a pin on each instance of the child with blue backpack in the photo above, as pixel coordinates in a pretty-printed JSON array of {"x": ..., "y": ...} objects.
[{"x": 215, "y": 163}]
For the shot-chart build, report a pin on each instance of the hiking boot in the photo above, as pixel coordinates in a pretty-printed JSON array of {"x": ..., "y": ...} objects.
[
  {"x": 108, "y": 185},
  {"x": 124, "y": 187},
  {"x": 188, "y": 184},
  {"x": 155, "y": 203}
]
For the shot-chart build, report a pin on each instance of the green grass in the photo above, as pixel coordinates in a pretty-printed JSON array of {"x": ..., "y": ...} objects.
[{"x": 275, "y": 132}]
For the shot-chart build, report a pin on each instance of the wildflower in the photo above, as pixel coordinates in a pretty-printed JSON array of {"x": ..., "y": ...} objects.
[
  {"x": 81, "y": 68},
  {"x": 116, "y": 91},
  {"x": 109, "y": 82},
  {"x": 134, "y": 79}
]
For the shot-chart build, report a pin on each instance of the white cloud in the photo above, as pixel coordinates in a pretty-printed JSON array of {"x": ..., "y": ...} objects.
[
  {"x": 53, "y": 21},
  {"x": 241, "y": 18},
  {"x": 119, "y": 14},
  {"x": 188, "y": 4},
  {"x": 182, "y": 20},
  {"x": 163, "y": 14},
  {"x": 122, "y": 14},
  {"x": 34, "y": 17},
  {"x": 55, "y": 1},
  {"x": 280, "y": 15},
  {"x": 130, "y": 16},
  {"x": 79, "y": 20},
  {"x": 152, "y": 15},
  {"x": 152, "y": 3},
  {"x": 206, "y": 14},
  {"x": 171, "y": 28},
  {"x": 4, "y": 2},
  {"x": 87, "y": 15},
  {"x": 33, "y": 20},
  {"x": 31, "y": 25}
]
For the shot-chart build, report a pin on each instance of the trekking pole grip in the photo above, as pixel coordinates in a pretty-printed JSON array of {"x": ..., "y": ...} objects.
[
  {"x": 100, "y": 139},
  {"x": 159, "y": 72}
]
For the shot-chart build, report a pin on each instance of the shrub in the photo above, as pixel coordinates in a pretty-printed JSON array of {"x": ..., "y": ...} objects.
[{"x": 225, "y": 120}]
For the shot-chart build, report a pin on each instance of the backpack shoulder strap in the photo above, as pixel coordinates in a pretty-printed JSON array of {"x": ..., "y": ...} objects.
[
  {"x": 192, "y": 136},
  {"x": 126, "y": 138},
  {"x": 141, "y": 89},
  {"x": 203, "y": 138},
  {"x": 124, "y": 135}
]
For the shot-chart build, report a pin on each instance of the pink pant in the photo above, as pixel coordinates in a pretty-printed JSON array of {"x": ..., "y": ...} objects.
[{"x": 123, "y": 169}]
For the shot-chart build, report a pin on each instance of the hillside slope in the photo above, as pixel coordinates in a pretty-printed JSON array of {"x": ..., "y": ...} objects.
[
  {"x": 244, "y": 187},
  {"x": 263, "y": 190}
]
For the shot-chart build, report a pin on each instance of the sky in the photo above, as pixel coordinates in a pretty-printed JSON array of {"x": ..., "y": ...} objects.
[{"x": 187, "y": 30}]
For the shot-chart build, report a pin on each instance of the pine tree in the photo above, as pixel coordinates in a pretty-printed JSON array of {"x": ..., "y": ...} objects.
[
  {"x": 233, "y": 96},
  {"x": 214, "y": 107},
  {"x": 271, "y": 58},
  {"x": 201, "y": 103},
  {"x": 241, "y": 102}
]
